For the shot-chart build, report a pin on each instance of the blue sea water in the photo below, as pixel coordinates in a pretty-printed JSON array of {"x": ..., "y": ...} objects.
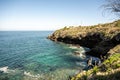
[{"x": 29, "y": 54}]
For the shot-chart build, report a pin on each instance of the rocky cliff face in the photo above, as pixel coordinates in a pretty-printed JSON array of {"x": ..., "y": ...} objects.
[{"x": 100, "y": 38}]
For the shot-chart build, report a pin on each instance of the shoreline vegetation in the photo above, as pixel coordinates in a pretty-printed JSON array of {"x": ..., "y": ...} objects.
[{"x": 104, "y": 42}]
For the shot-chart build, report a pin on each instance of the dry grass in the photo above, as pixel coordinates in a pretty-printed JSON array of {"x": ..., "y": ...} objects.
[{"x": 109, "y": 30}]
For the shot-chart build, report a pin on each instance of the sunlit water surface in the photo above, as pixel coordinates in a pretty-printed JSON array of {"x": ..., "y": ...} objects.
[{"x": 29, "y": 55}]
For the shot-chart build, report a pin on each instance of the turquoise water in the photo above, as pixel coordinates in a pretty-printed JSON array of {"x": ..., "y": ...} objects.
[{"x": 29, "y": 55}]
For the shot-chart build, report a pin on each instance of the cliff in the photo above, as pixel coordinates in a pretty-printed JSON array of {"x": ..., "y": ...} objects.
[{"x": 101, "y": 38}]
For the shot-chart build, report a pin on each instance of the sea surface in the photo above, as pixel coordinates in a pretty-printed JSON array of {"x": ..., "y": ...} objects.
[{"x": 29, "y": 55}]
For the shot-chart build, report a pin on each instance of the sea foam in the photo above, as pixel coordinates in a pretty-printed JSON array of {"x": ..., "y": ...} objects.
[
  {"x": 7, "y": 70},
  {"x": 4, "y": 69}
]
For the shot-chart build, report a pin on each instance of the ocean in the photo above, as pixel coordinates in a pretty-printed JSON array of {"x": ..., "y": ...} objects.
[{"x": 29, "y": 55}]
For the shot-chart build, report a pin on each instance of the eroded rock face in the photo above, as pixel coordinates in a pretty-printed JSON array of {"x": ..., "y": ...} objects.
[{"x": 89, "y": 40}]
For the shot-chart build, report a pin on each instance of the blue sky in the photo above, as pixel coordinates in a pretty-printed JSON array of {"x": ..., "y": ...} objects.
[{"x": 51, "y": 14}]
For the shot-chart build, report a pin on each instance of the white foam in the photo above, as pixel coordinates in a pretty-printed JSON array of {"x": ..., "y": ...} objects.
[
  {"x": 81, "y": 64},
  {"x": 73, "y": 47},
  {"x": 81, "y": 49},
  {"x": 80, "y": 54},
  {"x": 4, "y": 69},
  {"x": 31, "y": 75},
  {"x": 27, "y": 73}
]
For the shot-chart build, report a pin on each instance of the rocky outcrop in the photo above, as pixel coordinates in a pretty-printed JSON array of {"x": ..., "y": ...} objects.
[
  {"x": 90, "y": 40},
  {"x": 100, "y": 38}
]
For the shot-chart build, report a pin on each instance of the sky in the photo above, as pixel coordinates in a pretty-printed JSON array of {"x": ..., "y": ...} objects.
[{"x": 51, "y": 14}]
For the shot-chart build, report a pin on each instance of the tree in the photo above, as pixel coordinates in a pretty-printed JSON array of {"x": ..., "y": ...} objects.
[{"x": 113, "y": 6}]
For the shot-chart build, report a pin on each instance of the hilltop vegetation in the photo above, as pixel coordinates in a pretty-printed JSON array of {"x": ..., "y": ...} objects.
[{"x": 106, "y": 30}]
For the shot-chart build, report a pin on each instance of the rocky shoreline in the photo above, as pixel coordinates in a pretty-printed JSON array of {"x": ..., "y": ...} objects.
[
  {"x": 99, "y": 38},
  {"x": 102, "y": 39}
]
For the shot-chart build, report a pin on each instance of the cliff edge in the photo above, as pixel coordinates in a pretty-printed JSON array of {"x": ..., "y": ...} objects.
[{"x": 100, "y": 38}]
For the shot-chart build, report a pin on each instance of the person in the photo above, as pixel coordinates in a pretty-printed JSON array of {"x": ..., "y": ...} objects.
[
  {"x": 99, "y": 63},
  {"x": 89, "y": 63},
  {"x": 95, "y": 62}
]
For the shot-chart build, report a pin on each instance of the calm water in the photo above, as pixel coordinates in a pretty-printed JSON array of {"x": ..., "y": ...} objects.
[{"x": 30, "y": 56}]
